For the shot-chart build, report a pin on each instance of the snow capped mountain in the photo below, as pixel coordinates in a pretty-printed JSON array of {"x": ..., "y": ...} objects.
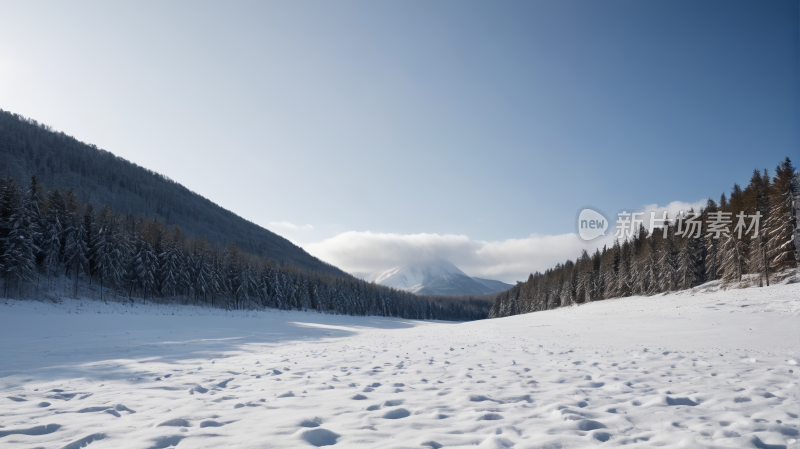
[{"x": 434, "y": 277}]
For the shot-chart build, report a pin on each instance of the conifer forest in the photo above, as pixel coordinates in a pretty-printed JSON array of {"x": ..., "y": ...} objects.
[{"x": 670, "y": 259}]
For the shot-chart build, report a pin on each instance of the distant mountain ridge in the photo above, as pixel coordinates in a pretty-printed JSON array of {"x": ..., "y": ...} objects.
[
  {"x": 496, "y": 286},
  {"x": 434, "y": 277},
  {"x": 28, "y": 148}
]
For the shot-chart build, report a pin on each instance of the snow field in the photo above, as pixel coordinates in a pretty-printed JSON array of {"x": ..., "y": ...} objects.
[{"x": 699, "y": 368}]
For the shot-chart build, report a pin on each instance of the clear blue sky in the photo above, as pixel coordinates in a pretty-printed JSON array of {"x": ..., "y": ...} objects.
[{"x": 491, "y": 120}]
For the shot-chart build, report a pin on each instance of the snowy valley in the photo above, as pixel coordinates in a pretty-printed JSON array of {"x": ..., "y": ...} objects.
[
  {"x": 399, "y": 225},
  {"x": 698, "y": 368}
]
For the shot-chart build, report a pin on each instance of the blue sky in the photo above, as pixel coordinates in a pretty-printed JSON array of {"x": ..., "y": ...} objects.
[{"x": 366, "y": 129}]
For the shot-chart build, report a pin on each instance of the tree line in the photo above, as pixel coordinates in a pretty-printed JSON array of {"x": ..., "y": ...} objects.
[
  {"x": 670, "y": 259},
  {"x": 49, "y": 238}
]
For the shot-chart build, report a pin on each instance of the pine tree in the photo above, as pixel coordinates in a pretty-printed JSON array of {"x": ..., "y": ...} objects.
[
  {"x": 736, "y": 202},
  {"x": 758, "y": 261},
  {"x": 713, "y": 258},
  {"x": 278, "y": 295},
  {"x": 734, "y": 259},
  {"x": 203, "y": 278},
  {"x": 172, "y": 264},
  {"x": 51, "y": 245},
  {"x": 217, "y": 279},
  {"x": 91, "y": 229},
  {"x": 667, "y": 267},
  {"x": 232, "y": 265},
  {"x": 10, "y": 195},
  {"x": 796, "y": 184},
  {"x": 687, "y": 263},
  {"x": 782, "y": 221},
  {"x": 145, "y": 264},
  {"x": 19, "y": 259},
  {"x": 624, "y": 276},
  {"x": 76, "y": 252},
  {"x": 35, "y": 203},
  {"x": 611, "y": 271},
  {"x": 106, "y": 250},
  {"x": 54, "y": 236}
]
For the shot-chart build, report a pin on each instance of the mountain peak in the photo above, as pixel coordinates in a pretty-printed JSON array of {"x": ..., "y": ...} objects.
[{"x": 436, "y": 277}]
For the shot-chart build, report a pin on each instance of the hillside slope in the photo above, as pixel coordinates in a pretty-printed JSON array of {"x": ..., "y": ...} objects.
[{"x": 28, "y": 148}]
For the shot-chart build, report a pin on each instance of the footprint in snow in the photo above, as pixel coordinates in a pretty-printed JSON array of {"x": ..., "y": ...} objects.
[
  {"x": 164, "y": 442},
  {"x": 198, "y": 389},
  {"x": 680, "y": 401},
  {"x": 490, "y": 417},
  {"x": 211, "y": 423},
  {"x": 587, "y": 425},
  {"x": 176, "y": 422},
  {"x": 320, "y": 437},
  {"x": 396, "y": 413},
  {"x": 315, "y": 422},
  {"x": 601, "y": 436}
]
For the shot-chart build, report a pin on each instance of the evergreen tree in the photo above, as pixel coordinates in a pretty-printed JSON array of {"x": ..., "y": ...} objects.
[
  {"x": 782, "y": 221},
  {"x": 52, "y": 246},
  {"x": 172, "y": 265},
  {"x": 76, "y": 252},
  {"x": 667, "y": 265},
  {"x": 10, "y": 196},
  {"x": 686, "y": 262},
  {"x": 203, "y": 274},
  {"x": 90, "y": 229},
  {"x": 19, "y": 259},
  {"x": 713, "y": 257},
  {"x": 758, "y": 261},
  {"x": 734, "y": 259},
  {"x": 145, "y": 265},
  {"x": 624, "y": 276},
  {"x": 105, "y": 252}
]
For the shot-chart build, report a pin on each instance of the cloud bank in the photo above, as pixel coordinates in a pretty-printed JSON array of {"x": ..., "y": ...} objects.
[{"x": 508, "y": 260}]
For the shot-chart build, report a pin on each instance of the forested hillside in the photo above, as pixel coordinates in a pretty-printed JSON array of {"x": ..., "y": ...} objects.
[
  {"x": 689, "y": 255},
  {"x": 28, "y": 148},
  {"x": 52, "y": 244}
]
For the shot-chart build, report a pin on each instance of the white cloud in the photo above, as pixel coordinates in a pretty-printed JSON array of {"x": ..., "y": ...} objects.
[
  {"x": 508, "y": 260},
  {"x": 289, "y": 226}
]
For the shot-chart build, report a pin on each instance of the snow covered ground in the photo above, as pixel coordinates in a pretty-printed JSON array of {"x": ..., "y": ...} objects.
[{"x": 693, "y": 369}]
